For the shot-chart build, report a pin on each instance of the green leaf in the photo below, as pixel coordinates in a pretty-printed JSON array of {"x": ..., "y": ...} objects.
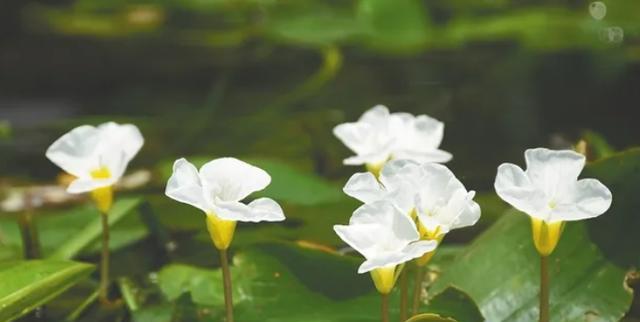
[
  {"x": 280, "y": 282},
  {"x": 429, "y": 317},
  {"x": 597, "y": 145},
  {"x": 288, "y": 184},
  {"x": 500, "y": 271},
  {"x": 317, "y": 26},
  {"x": 397, "y": 26},
  {"x": 79, "y": 240},
  {"x": 28, "y": 284},
  {"x": 58, "y": 227},
  {"x": 616, "y": 231}
]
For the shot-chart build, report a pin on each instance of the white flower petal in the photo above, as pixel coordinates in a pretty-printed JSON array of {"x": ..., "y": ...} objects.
[
  {"x": 74, "y": 151},
  {"x": 262, "y": 209},
  {"x": 513, "y": 186},
  {"x": 469, "y": 215},
  {"x": 116, "y": 137},
  {"x": 184, "y": 186},
  {"x": 362, "y": 237},
  {"x": 431, "y": 156},
  {"x": 230, "y": 179},
  {"x": 377, "y": 116},
  {"x": 82, "y": 185},
  {"x": 365, "y": 187},
  {"x": 411, "y": 251},
  {"x": 551, "y": 171},
  {"x": 589, "y": 198}
]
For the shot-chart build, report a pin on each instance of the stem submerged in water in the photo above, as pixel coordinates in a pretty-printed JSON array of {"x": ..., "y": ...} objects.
[
  {"x": 544, "y": 288},
  {"x": 226, "y": 276}
]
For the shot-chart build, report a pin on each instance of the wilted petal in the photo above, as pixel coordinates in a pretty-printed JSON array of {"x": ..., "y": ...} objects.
[
  {"x": 184, "y": 186},
  {"x": 589, "y": 198},
  {"x": 74, "y": 151},
  {"x": 513, "y": 186},
  {"x": 364, "y": 187},
  {"x": 230, "y": 179}
]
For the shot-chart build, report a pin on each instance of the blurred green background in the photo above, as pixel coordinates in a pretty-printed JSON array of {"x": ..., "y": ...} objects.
[{"x": 267, "y": 80}]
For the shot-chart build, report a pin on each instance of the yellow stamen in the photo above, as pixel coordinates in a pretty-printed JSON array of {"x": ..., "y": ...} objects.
[
  {"x": 220, "y": 230},
  {"x": 375, "y": 168},
  {"x": 428, "y": 234},
  {"x": 384, "y": 278},
  {"x": 103, "y": 197},
  {"x": 546, "y": 235}
]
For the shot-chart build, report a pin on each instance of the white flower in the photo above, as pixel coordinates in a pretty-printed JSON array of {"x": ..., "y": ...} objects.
[
  {"x": 379, "y": 136},
  {"x": 220, "y": 186},
  {"x": 398, "y": 182},
  {"x": 442, "y": 201},
  {"x": 96, "y": 156},
  {"x": 383, "y": 235},
  {"x": 549, "y": 189},
  {"x": 439, "y": 198}
]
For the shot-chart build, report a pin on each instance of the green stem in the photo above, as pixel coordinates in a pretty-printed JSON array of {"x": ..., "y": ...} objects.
[
  {"x": 226, "y": 277},
  {"x": 404, "y": 295},
  {"x": 104, "y": 265},
  {"x": 417, "y": 289},
  {"x": 544, "y": 289},
  {"x": 385, "y": 308},
  {"x": 28, "y": 232}
]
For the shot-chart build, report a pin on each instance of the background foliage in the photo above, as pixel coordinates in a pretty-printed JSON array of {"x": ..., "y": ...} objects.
[{"x": 266, "y": 80}]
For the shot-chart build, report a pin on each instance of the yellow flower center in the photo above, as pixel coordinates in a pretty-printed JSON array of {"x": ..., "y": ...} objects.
[
  {"x": 375, "y": 168},
  {"x": 546, "y": 235},
  {"x": 220, "y": 230},
  {"x": 428, "y": 234},
  {"x": 384, "y": 278},
  {"x": 103, "y": 197}
]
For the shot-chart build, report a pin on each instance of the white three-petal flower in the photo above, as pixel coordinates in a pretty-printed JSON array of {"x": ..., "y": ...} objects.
[
  {"x": 442, "y": 201},
  {"x": 379, "y": 136},
  {"x": 549, "y": 189},
  {"x": 220, "y": 186},
  {"x": 383, "y": 235},
  {"x": 86, "y": 150}
]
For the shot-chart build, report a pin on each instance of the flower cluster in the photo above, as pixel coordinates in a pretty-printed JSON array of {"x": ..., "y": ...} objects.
[
  {"x": 379, "y": 136},
  {"x": 410, "y": 203}
]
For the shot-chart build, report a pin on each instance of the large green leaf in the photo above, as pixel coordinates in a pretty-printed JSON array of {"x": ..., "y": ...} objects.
[
  {"x": 26, "y": 285},
  {"x": 500, "y": 271},
  {"x": 616, "y": 232},
  {"x": 279, "y": 282}
]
